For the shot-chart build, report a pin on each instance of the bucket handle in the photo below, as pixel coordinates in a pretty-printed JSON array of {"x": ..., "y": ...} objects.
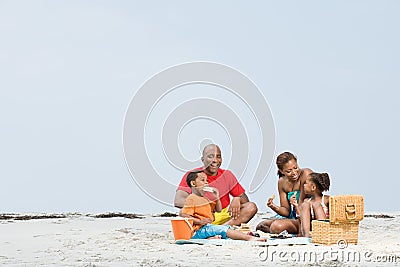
[{"x": 189, "y": 224}]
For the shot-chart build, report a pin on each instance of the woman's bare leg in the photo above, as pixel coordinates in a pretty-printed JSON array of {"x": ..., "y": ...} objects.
[
  {"x": 264, "y": 226},
  {"x": 290, "y": 225}
]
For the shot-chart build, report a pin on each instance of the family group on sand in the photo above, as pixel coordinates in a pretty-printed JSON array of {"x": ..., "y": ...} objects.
[{"x": 204, "y": 194}]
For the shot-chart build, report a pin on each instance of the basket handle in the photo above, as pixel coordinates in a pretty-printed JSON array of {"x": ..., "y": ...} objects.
[{"x": 350, "y": 211}]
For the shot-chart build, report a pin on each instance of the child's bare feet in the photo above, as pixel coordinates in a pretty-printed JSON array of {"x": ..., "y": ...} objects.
[{"x": 215, "y": 237}]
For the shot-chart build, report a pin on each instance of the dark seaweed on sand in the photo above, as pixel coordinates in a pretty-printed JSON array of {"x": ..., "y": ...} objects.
[
  {"x": 30, "y": 217},
  {"x": 378, "y": 216},
  {"x": 118, "y": 214},
  {"x": 24, "y": 217},
  {"x": 166, "y": 214}
]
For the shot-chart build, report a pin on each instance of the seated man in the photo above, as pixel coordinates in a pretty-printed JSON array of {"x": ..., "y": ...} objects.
[{"x": 240, "y": 210}]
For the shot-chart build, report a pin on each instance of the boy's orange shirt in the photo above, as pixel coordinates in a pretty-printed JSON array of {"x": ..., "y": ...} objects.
[{"x": 199, "y": 208}]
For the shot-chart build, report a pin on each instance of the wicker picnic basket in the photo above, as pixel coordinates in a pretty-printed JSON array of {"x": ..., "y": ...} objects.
[
  {"x": 346, "y": 208},
  {"x": 345, "y": 212},
  {"x": 324, "y": 232}
]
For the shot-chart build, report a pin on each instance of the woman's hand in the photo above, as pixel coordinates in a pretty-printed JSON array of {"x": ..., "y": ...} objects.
[
  {"x": 270, "y": 202},
  {"x": 293, "y": 200}
]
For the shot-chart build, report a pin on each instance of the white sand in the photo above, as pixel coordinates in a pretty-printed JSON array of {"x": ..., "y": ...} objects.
[{"x": 86, "y": 241}]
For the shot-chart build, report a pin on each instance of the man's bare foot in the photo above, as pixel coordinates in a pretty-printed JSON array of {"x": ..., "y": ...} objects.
[{"x": 215, "y": 237}]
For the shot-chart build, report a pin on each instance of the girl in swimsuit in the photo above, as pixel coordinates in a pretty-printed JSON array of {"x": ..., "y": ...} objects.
[
  {"x": 315, "y": 207},
  {"x": 291, "y": 195}
]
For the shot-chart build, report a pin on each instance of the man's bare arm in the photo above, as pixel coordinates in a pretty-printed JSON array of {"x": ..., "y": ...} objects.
[{"x": 180, "y": 197}]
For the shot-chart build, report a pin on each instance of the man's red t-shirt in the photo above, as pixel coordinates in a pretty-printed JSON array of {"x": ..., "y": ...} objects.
[{"x": 225, "y": 181}]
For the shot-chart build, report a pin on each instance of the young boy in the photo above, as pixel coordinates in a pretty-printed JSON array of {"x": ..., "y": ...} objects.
[{"x": 201, "y": 209}]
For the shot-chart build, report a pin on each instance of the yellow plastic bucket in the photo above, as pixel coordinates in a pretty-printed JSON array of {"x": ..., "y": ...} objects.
[{"x": 182, "y": 228}]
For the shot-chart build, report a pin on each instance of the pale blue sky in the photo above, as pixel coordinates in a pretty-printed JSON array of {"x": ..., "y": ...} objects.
[{"x": 68, "y": 70}]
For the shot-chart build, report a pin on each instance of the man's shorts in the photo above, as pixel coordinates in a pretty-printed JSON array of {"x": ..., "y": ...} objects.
[
  {"x": 210, "y": 230},
  {"x": 221, "y": 217}
]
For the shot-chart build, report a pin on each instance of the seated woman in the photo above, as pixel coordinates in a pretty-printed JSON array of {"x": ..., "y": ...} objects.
[
  {"x": 315, "y": 207},
  {"x": 290, "y": 185}
]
